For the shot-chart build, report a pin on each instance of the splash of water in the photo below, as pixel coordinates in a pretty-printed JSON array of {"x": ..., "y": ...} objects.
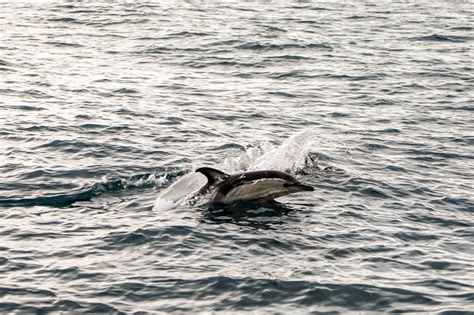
[{"x": 290, "y": 156}]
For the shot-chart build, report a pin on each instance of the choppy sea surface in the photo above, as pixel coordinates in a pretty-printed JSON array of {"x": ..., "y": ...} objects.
[{"x": 107, "y": 108}]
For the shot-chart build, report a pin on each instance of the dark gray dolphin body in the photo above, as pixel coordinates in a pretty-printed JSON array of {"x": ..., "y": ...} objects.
[{"x": 249, "y": 186}]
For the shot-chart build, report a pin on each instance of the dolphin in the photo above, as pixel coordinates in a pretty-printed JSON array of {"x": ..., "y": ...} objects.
[{"x": 254, "y": 186}]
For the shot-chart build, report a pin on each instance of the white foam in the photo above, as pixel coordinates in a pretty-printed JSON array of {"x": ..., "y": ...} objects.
[{"x": 163, "y": 204}]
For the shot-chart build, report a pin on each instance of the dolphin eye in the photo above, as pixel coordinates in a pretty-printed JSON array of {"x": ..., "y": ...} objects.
[{"x": 287, "y": 185}]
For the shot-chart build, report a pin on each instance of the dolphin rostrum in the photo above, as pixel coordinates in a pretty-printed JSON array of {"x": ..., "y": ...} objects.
[{"x": 258, "y": 186}]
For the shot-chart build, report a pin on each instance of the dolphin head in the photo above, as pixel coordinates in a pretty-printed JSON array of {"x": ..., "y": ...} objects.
[{"x": 294, "y": 187}]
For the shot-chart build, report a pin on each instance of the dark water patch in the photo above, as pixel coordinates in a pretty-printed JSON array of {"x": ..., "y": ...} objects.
[
  {"x": 441, "y": 154},
  {"x": 43, "y": 128},
  {"x": 347, "y": 77},
  {"x": 462, "y": 28},
  {"x": 228, "y": 146},
  {"x": 63, "y": 44},
  {"x": 344, "y": 236},
  {"x": 376, "y": 146},
  {"x": 287, "y": 74},
  {"x": 119, "y": 129},
  {"x": 187, "y": 34},
  {"x": 468, "y": 108},
  {"x": 415, "y": 236},
  {"x": 72, "y": 273},
  {"x": 357, "y": 213},
  {"x": 63, "y": 19},
  {"x": 437, "y": 265},
  {"x": 62, "y": 305},
  {"x": 424, "y": 191},
  {"x": 339, "y": 115},
  {"x": 36, "y": 235},
  {"x": 16, "y": 291},
  {"x": 6, "y": 66},
  {"x": 169, "y": 49},
  {"x": 462, "y": 203},
  {"x": 266, "y": 46},
  {"x": 289, "y": 57},
  {"x": 172, "y": 120},
  {"x": 383, "y": 102},
  {"x": 253, "y": 74},
  {"x": 127, "y": 240},
  {"x": 108, "y": 22},
  {"x": 227, "y": 42},
  {"x": 275, "y": 29},
  {"x": 373, "y": 192},
  {"x": 443, "y": 38},
  {"x": 5, "y": 132},
  {"x": 126, "y": 91},
  {"x": 373, "y": 188},
  {"x": 93, "y": 126},
  {"x": 86, "y": 11},
  {"x": 228, "y": 63},
  {"x": 132, "y": 113},
  {"x": 437, "y": 220},
  {"x": 337, "y": 253},
  {"x": 104, "y": 80},
  {"x": 357, "y": 17},
  {"x": 377, "y": 262},
  {"x": 390, "y": 130},
  {"x": 445, "y": 284},
  {"x": 12, "y": 265},
  {"x": 25, "y": 107},
  {"x": 284, "y": 94}
]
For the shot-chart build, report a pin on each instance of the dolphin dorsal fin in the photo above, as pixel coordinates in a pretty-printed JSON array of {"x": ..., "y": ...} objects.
[{"x": 213, "y": 176}]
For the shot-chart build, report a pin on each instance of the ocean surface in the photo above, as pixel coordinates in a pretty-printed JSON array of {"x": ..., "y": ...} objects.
[{"x": 107, "y": 108}]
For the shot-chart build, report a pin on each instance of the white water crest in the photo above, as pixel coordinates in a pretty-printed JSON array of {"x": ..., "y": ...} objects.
[{"x": 290, "y": 156}]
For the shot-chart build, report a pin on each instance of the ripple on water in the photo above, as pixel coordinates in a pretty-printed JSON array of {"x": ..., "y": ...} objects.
[
  {"x": 247, "y": 293},
  {"x": 104, "y": 108}
]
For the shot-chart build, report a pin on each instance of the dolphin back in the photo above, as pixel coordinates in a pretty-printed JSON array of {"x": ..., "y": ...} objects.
[{"x": 213, "y": 176}]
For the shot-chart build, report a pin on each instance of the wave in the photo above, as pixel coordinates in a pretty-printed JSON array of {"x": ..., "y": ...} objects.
[{"x": 86, "y": 193}]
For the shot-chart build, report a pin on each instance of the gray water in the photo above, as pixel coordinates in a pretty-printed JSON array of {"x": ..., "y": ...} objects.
[{"x": 106, "y": 108}]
